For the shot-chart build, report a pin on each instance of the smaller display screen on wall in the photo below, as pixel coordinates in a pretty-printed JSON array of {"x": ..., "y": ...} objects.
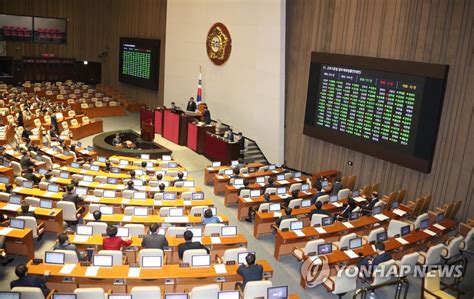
[
  {"x": 139, "y": 62},
  {"x": 18, "y": 28}
]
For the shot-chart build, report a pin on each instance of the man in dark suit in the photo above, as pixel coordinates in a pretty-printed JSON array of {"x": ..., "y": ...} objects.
[
  {"x": 369, "y": 206},
  {"x": 368, "y": 264},
  {"x": 154, "y": 240},
  {"x": 270, "y": 184},
  {"x": 251, "y": 271},
  {"x": 245, "y": 187},
  {"x": 294, "y": 195},
  {"x": 230, "y": 135},
  {"x": 26, "y": 160},
  {"x": 319, "y": 210},
  {"x": 351, "y": 205},
  {"x": 63, "y": 244},
  {"x": 71, "y": 195},
  {"x": 336, "y": 186},
  {"x": 30, "y": 176},
  {"x": 189, "y": 244},
  {"x": 287, "y": 215},
  {"x": 24, "y": 280},
  {"x": 315, "y": 197},
  {"x": 191, "y": 105},
  {"x": 25, "y": 211},
  {"x": 207, "y": 116}
]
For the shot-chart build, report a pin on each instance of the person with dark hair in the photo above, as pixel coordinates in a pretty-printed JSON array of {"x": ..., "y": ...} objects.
[
  {"x": 235, "y": 174},
  {"x": 368, "y": 264},
  {"x": 75, "y": 182},
  {"x": 270, "y": 184},
  {"x": 64, "y": 244},
  {"x": 71, "y": 195},
  {"x": 351, "y": 205},
  {"x": 206, "y": 115},
  {"x": 130, "y": 185},
  {"x": 337, "y": 186},
  {"x": 369, "y": 206},
  {"x": 47, "y": 177},
  {"x": 97, "y": 215},
  {"x": 230, "y": 135},
  {"x": 189, "y": 244},
  {"x": 30, "y": 176},
  {"x": 319, "y": 183},
  {"x": 8, "y": 188},
  {"x": 294, "y": 195},
  {"x": 209, "y": 218},
  {"x": 112, "y": 242},
  {"x": 245, "y": 187},
  {"x": 25, "y": 211},
  {"x": 26, "y": 161},
  {"x": 108, "y": 165},
  {"x": 34, "y": 281},
  {"x": 180, "y": 178},
  {"x": 159, "y": 176},
  {"x": 132, "y": 174},
  {"x": 154, "y": 240},
  {"x": 286, "y": 216},
  {"x": 162, "y": 187},
  {"x": 318, "y": 210},
  {"x": 250, "y": 271},
  {"x": 117, "y": 141},
  {"x": 191, "y": 105},
  {"x": 314, "y": 198}
]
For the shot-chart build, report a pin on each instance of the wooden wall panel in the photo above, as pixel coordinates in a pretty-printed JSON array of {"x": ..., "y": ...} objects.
[
  {"x": 435, "y": 31},
  {"x": 95, "y": 25}
]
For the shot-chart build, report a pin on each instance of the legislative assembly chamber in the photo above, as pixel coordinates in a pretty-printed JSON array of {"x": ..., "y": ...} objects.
[{"x": 236, "y": 149}]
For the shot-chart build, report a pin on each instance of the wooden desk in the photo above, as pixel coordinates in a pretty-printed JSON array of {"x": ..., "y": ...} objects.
[
  {"x": 8, "y": 172},
  {"x": 58, "y": 157},
  {"x": 170, "y": 278},
  {"x": 38, "y": 193},
  {"x": 197, "y": 136},
  {"x": 52, "y": 218},
  {"x": 95, "y": 112},
  {"x": 210, "y": 171},
  {"x": 19, "y": 242},
  {"x": 84, "y": 130},
  {"x": 231, "y": 192},
  {"x": 217, "y": 149},
  {"x": 138, "y": 160},
  {"x": 121, "y": 202},
  {"x": 17, "y": 157},
  {"x": 329, "y": 174},
  {"x": 172, "y": 256},
  {"x": 286, "y": 241},
  {"x": 134, "y": 167},
  {"x": 220, "y": 181},
  {"x": 146, "y": 220}
]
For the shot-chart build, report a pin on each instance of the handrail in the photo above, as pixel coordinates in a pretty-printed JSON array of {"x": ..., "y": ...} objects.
[{"x": 400, "y": 282}]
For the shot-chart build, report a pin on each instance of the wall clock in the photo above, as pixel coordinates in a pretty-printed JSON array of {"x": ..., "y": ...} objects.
[{"x": 218, "y": 44}]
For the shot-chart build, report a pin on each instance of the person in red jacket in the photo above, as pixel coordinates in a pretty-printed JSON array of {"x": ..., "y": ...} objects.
[{"x": 112, "y": 242}]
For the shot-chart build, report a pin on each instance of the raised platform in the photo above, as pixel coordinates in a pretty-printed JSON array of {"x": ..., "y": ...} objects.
[{"x": 103, "y": 145}]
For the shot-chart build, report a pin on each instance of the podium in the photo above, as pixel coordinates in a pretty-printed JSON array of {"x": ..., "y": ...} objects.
[
  {"x": 217, "y": 149},
  {"x": 197, "y": 136},
  {"x": 175, "y": 126},
  {"x": 148, "y": 131},
  {"x": 158, "y": 118}
]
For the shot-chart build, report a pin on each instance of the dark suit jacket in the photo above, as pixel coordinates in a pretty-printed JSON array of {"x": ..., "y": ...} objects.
[
  {"x": 191, "y": 106},
  {"x": 71, "y": 247},
  {"x": 26, "y": 162},
  {"x": 315, "y": 197},
  {"x": 250, "y": 273},
  {"x": 28, "y": 214},
  {"x": 154, "y": 241},
  {"x": 190, "y": 245},
  {"x": 279, "y": 220},
  {"x": 207, "y": 117},
  {"x": 318, "y": 211},
  {"x": 32, "y": 177},
  {"x": 31, "y": 281},
  {"x": 336, "y": 187},
  {"x": 318, "y": 185},
  {"x": 347, "y": 210},
  {"x": 72, "y": 197}
]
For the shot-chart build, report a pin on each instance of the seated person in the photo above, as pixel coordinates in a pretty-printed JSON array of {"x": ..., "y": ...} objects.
[
  {"x": 369, "y": 263},
  {"x": 250, "y": 271},
  {"x": 26, "y": 161},
  {"x": 209, "y": 218},
  {"x": 271, "y": 183},
  {"x": 337, "y": 186},
  {"x": 314, "y": 198},
  {"x": 180, "y": 178},
  {"x": 266, "y": 199},
  {"x": 351, "y": 205},
  {"x": 369, "y": 206},
  {"x": 294, "y": 195},
  {"x": 159, "y": 177},
  {"x": 318, "y": 210},
  {"x": 34, "y": 281},
  {"x": 75, "y": 182},
  {"x": 108, "y": 166},
  {"x": 189, "y": 244},
  {"x": 287, "y": 215},
  {"x": 25, "y": 211},
  {"x": 30, "y": 176},
  {"x": 47, "y": 178},
  {"x": 235, "y": 175},
  {"x": 117, "y": 141},
  {"x": 112, "y": 242},
  {"x": 245, "y": 187},
  {"x": 71, "y": 195},
  {"x": 132, "y": 174},
  {"x": 162, "y": 187},
  {"x": 130, "y": 185},
  {"x": 97, "y": 215},
  {"x": 318, "y": 184},
  {"x": 230, "y": 135},
  {"x": 64, "y": 244},
  {"x": 154, "y": 240},
  {"x": 8, "y": 188}
]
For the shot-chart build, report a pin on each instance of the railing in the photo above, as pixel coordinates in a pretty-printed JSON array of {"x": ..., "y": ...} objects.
[{"x": 400, "y": 283}]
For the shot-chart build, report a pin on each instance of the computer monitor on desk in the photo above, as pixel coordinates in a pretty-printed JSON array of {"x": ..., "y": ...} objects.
[
  {"x": 64, "y": 296},
  {"x": 176, "y": 296},
  {"x": 200, "y": 260},
  {"x": 46, "y": 204},
  {"x": 106, "y": 210},
  {"x": 84, "y": 230},
  {"x": 228, "y": 295},
  {"x": 102, "y": 260},
  {"x": 52, "y": 257},
  {"x": 280, "y": 292},
  {"x": 152, "y": 262},
  {"x": 325, "y": 248},
  {"x": 176, "y": 212},
  {"x": 355, "y": 243},
  {"x": 17, "y": 223}
]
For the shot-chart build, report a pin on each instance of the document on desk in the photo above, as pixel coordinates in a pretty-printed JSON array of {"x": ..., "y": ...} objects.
[
  {"x": 399, "y": 212},
  {"x": 220, "y": 269},
  {"x": 347, "y": 224},
  {"x": 11, "y": 207},
  {"x": 439, "y": 226},
  {"x": 381, "y": 217},
  {"x": 89, "y": 216},
  {"x": 359, "y": 199},
  {"x": 299, "y": 233},
  {"x": 5, "y": 231},
  {"x": 429, "y": 232},
  {"x": 277, "y": 214},
  {"x": 402, "y": 241},
  {"x": 182, "y": 219},
  {"x": 125, "y": 201},
  {"x": 81, "y": 238},
  {"x": 320, "y": 230},
  {"x": 283, "y": 182},
  {"x": 337, "y": 204},
  {"x": 247, "y": 199},
  {"x": 134, "y": 272},
  {"x": 298, "y": 179},
  {"x": 157, "y": 202},
  {"x": 245, "y": 175},
  {"x": 351, "y": 254},
  {"x": 283, "y": 196},
  {"x": 220, "y": 177},
  {"x": 48, "y": 194},
  {"x": 91, "y": 271},
  {"x": 127, "y": 218},
  {"x": 67, "y": 268},
  {"x": 216, "y": 240}
]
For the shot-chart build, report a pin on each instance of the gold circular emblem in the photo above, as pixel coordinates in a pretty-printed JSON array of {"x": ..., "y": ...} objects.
[{"x": 218, "y": 44}]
